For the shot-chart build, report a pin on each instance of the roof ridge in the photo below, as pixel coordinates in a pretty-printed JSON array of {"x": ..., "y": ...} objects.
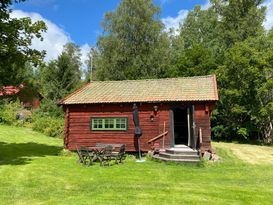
[{"x": 155, "y": 79}]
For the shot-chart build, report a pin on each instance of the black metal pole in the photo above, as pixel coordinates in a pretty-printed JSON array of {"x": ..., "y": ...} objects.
[{"x": 139, "y": 153}]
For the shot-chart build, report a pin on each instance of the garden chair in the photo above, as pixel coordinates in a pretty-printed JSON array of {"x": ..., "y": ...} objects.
[
  {"x": 84, "y": 155},
  {"x": 105, "y": 155},
  {"x": 119, "y": 156}
]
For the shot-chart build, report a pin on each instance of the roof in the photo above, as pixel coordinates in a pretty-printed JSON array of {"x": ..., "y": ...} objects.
[
  {"x": 10, "y": 90},
  {"x": 198, "y": 88}
]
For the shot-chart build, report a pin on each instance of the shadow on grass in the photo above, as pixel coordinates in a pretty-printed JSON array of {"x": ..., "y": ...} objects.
[{"x": 22, "y": 153}]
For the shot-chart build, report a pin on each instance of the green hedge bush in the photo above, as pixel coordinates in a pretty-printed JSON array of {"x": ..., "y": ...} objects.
[
  {"x": 50, "y": 126},
  {"x": 48, "y": 120},
  {"x": 8, "y": 112}
]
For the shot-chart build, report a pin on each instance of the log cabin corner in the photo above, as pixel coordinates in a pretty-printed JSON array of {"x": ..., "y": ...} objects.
[{"x": 173, "y": 112}]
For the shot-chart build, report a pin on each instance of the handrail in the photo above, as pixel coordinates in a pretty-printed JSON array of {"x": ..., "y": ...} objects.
[
  {"x": 158, "y": 136},
  {"x": 200, "y": 136}
]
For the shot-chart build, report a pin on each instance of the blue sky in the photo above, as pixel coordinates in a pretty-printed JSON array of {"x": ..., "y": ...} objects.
[{"x": 79, "y": 20}]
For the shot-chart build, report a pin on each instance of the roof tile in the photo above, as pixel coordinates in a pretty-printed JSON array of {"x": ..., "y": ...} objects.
[{"x": 198, "y": 88}]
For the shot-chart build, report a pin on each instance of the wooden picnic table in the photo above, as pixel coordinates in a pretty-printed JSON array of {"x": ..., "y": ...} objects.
[{"x": 97, "y": 151}]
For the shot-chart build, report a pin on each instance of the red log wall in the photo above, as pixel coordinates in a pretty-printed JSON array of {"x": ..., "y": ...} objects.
[
  {"x": 202, "y": 120},
  {"x": 78, "y": 132}
]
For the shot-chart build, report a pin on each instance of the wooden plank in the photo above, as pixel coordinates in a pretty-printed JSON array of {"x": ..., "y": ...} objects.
[{"x": 158, "y": 136}]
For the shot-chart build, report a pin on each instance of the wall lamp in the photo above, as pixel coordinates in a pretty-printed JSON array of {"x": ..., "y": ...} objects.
[{"x": 154, "y": 113}]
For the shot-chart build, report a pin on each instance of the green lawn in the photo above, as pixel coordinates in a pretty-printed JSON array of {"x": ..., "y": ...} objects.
[{"x": 33, "y": 171}]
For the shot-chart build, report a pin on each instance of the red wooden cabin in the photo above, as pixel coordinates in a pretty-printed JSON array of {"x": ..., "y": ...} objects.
[
  {"x": 172, "y": 111},
  {"x": 29, "y": 97}
]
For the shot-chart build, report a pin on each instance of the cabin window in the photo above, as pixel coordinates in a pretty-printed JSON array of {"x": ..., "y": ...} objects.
[{"x": 109, "y": 123}]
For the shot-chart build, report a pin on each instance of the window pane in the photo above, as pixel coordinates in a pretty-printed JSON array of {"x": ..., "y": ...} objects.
[
  {"x": 106, "y": 123},
  {"x": 100, "y": 123},
  {"x": 95, "y": 123},
  {"x": 109, "y": 123},
  {"x": 123, "y": 123}
]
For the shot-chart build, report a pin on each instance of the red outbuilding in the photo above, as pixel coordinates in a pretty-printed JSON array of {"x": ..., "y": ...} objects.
[
  {"x": 29, "y": 97},
  {"x": 172, "y": 111}
]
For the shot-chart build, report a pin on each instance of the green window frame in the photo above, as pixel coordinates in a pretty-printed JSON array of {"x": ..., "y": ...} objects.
[{"x": 109, "y": 123}]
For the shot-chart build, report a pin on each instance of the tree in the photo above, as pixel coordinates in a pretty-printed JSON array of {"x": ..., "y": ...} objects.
[
  {"x": 93, "y": 53},
  {"x": 63, "y": 75},
  {"x": 229, "y": 39},
  {"x": 133, "y": 44},
  {"x": 15, "y": 40},
  {"x": 195, "y": 49},
  {"x": 200, "y": 28},
  {"x": 239, "y": 20},
  {"x": 193, "y": 61},
  {"x": 246, "y": 90}
]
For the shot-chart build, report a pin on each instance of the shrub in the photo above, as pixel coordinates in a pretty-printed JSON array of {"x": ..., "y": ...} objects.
[
  {"x": 8, "y": 113},
  {"x": 50, "y": 108},
  {"x": 50, "y": 126}
]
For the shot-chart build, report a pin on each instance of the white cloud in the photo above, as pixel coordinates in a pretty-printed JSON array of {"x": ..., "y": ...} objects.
[
  {"x": 84, "y": 51},
  {"x": 174, "y": 22},
  {"x": 206, "y": 5},
  {"x": 269, "y": 14},
  {"x": 162, "y": 2},
  {"x": 54, "y": 39}
]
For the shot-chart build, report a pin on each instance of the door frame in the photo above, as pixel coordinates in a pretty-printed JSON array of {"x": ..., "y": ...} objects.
[{"x": 190, "y": 122}]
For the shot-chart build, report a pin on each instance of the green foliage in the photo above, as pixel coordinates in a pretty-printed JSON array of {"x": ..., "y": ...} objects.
[
  {"x": 193, "y": 61},
  {"x": 93, "y": 53},
  {"x": 239, "y": 20},
  {"x": 50, "y": 126},
  {"x": 245, "y": 90},
  {"x": 243, "y": 132},
  {"x": 49, "y": 108},
  {"x": 63, "y": 75},
  {"x": 49, "y": 119},
  {"x": 228, "y": 39},
  {"x": 8, "y": 112},
  {"x": 133, "y": 45},
  {"x": 12, "y": 113},
  {"x": 15, "y": 41}
]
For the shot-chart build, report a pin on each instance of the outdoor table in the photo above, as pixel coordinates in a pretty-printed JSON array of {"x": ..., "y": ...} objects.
[{"x": 97, "y": 151}]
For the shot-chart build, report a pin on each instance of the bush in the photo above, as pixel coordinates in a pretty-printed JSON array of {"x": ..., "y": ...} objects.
[
  {"x": 50, "y": 126},
  {"x": 8, "y": 112},
  {"x": 48, "y": 120},
  {"x": 50, "y": 108}
]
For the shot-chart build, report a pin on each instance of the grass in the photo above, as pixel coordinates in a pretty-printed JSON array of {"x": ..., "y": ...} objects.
[{"x": 34, "y": 170}]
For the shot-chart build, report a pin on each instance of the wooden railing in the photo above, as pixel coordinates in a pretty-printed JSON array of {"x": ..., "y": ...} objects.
[{"x": 158, "y": 137}]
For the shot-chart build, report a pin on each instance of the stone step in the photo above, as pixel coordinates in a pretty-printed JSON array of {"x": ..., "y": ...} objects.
[
  {"x": 185, "y": 151},
  {"x": 190, "y": 161},
  {"x": 181, "y": 146},
  {"x": 178, "y": 156}
]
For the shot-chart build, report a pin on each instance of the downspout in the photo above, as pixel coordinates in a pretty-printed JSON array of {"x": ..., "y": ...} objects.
[{"x": 189, "y": 126}]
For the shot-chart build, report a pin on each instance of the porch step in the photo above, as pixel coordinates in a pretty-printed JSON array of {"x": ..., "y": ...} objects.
[
  {"x": 178, "y": 156},
  {"x": 182, "y": 154},
  {"x": 180, "y": 150},
  {"x": 190, "y": 161}
]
